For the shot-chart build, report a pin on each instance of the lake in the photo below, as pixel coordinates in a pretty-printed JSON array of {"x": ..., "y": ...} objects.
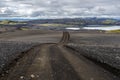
[
  {"x": 95, "y": 28},
  {"x": 103, "y": 28}
]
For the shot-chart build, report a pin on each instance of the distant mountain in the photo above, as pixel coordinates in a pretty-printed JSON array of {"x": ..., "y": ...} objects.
[
  {"x": 78, "y": 21},
  {"x": 69, "y": 21}
]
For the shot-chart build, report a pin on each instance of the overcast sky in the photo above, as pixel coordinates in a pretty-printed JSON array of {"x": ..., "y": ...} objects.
[{"x": 59, "y": 8}]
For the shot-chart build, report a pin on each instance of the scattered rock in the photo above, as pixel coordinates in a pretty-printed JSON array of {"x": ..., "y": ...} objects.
[
  {"x": 32, "y": 76},
  {"x": 21, "y": 77}
]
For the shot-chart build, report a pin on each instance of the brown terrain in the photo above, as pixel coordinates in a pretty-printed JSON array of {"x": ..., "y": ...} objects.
[{"x": 52, "y": 60}]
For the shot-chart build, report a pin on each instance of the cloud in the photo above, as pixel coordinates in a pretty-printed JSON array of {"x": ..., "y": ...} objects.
[{"x": 59, "y": 8}]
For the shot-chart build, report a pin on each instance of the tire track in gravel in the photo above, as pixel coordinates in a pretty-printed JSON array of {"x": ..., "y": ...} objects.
[
  {"x": 65, "y": 38},
  {"x": 56, "y": 62},
  {"x": 62, "y": 70},
  {"x": 41, "y": 67},
  {"x": 31, "y": 62},
  {"x": 21, "y": 66},
  {"x": 86, "y": 69}
]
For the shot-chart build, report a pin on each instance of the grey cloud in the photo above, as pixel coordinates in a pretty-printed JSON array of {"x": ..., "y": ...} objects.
[{"x": 49, "y": 8}]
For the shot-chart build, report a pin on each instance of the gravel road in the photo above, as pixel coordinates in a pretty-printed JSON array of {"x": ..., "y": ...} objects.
[{"x": 54, "y": 61}]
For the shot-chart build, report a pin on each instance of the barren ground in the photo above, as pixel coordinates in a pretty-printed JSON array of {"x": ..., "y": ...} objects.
[{"x": 52, "y": 60}]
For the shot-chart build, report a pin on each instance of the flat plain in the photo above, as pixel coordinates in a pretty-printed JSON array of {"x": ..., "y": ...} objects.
[{"x": 57, "y": 55}]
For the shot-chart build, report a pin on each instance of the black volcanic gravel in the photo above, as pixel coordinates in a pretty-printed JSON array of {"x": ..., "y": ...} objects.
[
  {"x": 10, "y": 50},
  {"x": 108, "y": 55}
]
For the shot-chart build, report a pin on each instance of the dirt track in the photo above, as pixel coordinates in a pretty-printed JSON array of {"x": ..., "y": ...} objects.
[{"x": 53, "y": 61}]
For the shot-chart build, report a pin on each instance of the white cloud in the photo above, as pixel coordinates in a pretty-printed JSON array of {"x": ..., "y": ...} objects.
[{"x": 61, "y": 8}]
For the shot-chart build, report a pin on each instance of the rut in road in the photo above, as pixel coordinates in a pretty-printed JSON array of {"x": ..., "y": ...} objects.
[
  {"x": 55, "y": 62},
  {"x": 65, "y": 38}
]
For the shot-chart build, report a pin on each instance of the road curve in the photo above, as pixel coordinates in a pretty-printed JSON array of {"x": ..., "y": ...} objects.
[
  {"x": 55, "y": 62},
  {"x": 65, "y": 38}
]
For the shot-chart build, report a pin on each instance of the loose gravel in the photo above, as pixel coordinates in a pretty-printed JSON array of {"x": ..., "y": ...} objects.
[
  {"x": 107, "y": 55},
  {"x": 9, "y": 50}
]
